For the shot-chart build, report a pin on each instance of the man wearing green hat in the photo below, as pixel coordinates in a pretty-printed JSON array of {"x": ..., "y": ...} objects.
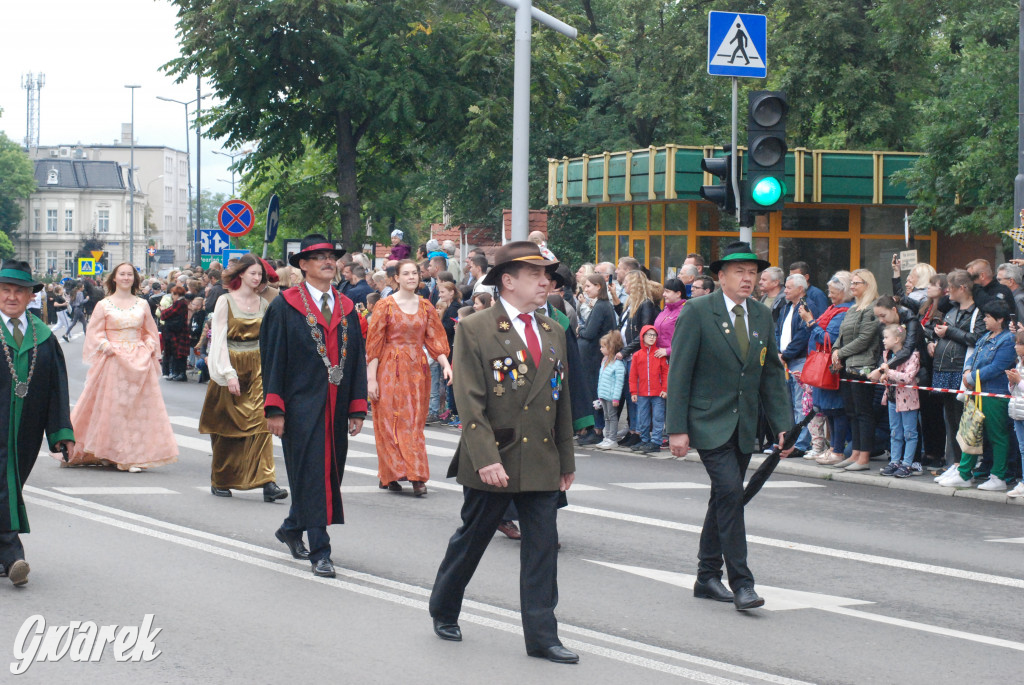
[
  {"x": 33, "y": 401},
  {"x": 724, "y": 362}
]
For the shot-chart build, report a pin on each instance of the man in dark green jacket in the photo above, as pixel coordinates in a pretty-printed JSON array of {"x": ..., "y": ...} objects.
[{"x": 724, "y": 361}]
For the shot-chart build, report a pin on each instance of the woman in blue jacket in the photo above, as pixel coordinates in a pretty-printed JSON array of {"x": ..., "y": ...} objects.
[
  {"x": 993, "y": 356},
  {"x": 826, "y": 327}
]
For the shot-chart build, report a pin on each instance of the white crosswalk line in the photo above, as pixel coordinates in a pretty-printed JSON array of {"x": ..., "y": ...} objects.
[
  {"x": 127, "y": 490},
  {"x": 686, "y": 485}
]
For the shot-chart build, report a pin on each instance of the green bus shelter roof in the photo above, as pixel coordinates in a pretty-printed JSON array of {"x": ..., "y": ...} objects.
[{"x": 673, "y": 172}]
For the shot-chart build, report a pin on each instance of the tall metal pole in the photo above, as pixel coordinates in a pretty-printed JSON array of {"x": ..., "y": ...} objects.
[
  {"x": 746, "y": 232},
  {"x": 131, "y": 184},
  {"x": 521, "y": 124},
  {"x": 1018, "y": 182},
  {"x": 197, "y": 249}
]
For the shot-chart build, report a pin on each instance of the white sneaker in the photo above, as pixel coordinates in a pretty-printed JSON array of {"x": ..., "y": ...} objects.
[
  {"x": 956, "y": 481},
  {"x": 948, "y": 472},
  {"x": 994, "y": 483},
  {"x": 605, "y": 444},
  {"x": 1017, "y": 491}
]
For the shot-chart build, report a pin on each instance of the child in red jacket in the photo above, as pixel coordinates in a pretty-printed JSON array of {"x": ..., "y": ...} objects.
[{"x": 648, "y": 384}]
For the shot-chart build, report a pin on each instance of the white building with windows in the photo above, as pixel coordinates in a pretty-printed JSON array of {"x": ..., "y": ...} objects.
[
  {"x": 162, "y": 178},
  {"x": 75, "y": 199}
]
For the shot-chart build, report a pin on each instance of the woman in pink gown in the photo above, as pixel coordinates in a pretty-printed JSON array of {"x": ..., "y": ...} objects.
[{"x": 120, "y": 417}]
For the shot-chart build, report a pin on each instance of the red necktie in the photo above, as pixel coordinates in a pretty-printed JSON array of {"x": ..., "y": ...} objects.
[{"x": 532, "y": 341}]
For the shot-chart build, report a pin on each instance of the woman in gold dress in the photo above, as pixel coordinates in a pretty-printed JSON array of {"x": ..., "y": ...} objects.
[{"x": 243, "y": 454}]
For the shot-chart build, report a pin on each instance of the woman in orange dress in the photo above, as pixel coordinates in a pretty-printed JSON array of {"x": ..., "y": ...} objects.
[
  {"x": 398, "y": 379},
  {"x": 120, "y": 417}
]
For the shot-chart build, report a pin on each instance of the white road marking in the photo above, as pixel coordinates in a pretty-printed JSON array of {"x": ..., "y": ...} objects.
[
  {"x": 683, "y": 485},
  {"x": 1016, "y": 541},
  {"x": 345, "y": 490},
  {"x": 781, "y": 599},
  {"x": 128, "y": 490},
  {"x": 512, "y": 625},
  {"x": 904, "y": 564}
]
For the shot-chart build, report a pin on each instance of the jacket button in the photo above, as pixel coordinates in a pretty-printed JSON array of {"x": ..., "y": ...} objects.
[
  {"x": 545, "y": 439},
  {"x": 525, "y": 440},
  {"x": 472, "y": 425},
  {"x": 733, "y": 411},
  {"x": 548, "y": 408},
  {"x": 496, "y": 443},
  {"x": 742, "y": 374},
  {"x": 526, "y": 407}
]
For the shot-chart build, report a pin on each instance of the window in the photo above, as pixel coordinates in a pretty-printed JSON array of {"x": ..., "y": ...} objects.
[
  {"x": 168, "y": 222},
  {"x": 69, "y": 260},
  {"x": 51, "y": 261},
  {"x": 168, "y": 194},
  {"x": 182, "y": 167},
  {"x": 36, "y": 220},
  {"x": 51, "y": 221},
  {"x": 69, "y": 220},
  {"x": 181, "y": 195},
  {"x": 181, "y": 223},
  {"x": 169, "y": 165},
  {"x": 103, "y": 221},
  {"x": 37, "y": 262}
]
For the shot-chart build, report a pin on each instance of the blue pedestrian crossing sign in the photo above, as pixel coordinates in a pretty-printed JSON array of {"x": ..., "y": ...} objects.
[{"x": 737, "y": 44}]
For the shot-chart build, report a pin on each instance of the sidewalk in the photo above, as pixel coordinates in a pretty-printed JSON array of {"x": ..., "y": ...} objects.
[{"x": 808, "y": 469}]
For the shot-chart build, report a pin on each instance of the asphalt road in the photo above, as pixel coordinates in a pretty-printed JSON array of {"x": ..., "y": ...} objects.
[{"x": 863, "y": 584}]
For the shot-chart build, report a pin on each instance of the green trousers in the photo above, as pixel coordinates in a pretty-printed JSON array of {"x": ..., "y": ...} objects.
[{"x": 997, "y": 433}]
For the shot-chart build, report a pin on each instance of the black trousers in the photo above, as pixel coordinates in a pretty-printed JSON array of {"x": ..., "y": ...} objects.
[
  {"x": 10, "y": 548},
  {"x": 318, "y": 539},
  {"x": 724, "y": 535},
  {"x": 858, "y": 402},
  {"x": 538, "y": 559}
]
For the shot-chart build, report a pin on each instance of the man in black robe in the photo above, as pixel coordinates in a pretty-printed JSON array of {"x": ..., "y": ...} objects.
[
  {"x": 314, "y": 385},
  {"x": 33, "y": 401}
]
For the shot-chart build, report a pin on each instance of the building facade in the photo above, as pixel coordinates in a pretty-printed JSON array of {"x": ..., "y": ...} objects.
[
  {"x": 843, "y": 211},
  {"x": 162, "y": 178},
  {"x": 74, "y": 200}
]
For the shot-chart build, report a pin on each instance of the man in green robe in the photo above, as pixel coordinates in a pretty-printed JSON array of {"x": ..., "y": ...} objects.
[{"x": 33, "y": 401}]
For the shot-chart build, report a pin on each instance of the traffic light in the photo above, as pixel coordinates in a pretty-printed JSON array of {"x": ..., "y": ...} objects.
[
  {"x": 722, "y": 193},
  {"x": 765, "y": 189}
]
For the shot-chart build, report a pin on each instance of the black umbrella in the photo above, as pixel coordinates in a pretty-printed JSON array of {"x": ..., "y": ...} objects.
[{"x": 772, "y": 460}]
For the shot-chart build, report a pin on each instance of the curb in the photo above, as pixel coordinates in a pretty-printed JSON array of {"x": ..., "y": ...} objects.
[{"x": 791, "y": 467}]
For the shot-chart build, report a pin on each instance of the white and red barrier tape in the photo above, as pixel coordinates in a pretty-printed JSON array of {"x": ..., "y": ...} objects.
[{"x": 919, "y": 387}]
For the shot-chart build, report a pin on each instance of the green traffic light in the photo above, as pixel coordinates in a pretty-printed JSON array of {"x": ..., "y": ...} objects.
[{"x": 767, "y": 191}]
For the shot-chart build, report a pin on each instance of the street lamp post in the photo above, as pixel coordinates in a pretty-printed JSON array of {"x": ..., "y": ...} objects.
[
  {"x": 131, "y": 183},
  {"x": 232, "y": 155},
  {"x": 188, "y": 160}
]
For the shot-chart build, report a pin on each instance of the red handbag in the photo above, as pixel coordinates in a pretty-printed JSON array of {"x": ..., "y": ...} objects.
[{"x": 818, "y": 368}]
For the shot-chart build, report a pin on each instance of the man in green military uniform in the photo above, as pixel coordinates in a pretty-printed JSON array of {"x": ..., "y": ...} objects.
[
  {"x": 516, "y": 446},
  {"x": 33, "y": 401},
  {"x": 724, "y": 361}
]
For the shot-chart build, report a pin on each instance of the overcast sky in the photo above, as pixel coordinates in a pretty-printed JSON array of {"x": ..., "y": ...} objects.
[{"x": 89, "y": 50}]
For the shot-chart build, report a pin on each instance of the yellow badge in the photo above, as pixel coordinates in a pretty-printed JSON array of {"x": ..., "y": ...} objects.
[{"x": 764, "y": 352}]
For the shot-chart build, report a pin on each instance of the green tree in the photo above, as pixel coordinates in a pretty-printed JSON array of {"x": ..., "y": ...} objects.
[
  {"x": 17, "y": 182},
  {"x": 359, "y": 79},
  {"x": 6, "y": 247}
]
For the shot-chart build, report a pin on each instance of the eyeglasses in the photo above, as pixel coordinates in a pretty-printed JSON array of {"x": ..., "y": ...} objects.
[
  {"x": 857, "y": 283},
  {"x": 974, "y": 276},
  {"x": 318, "y": 257}
]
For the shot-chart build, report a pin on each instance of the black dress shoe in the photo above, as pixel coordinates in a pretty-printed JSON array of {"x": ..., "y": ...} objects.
[
  {"x": 323, "y": 568},
  {"x": 447, "y": 631},
  {"x": 294, "y": 543},
  {"x": 712, "y": 589},
  {"x": 556, "y": 653},
  {"x": 746, "y": 598},
  {"x": 590, "y": 438},
  {"x": 272, "y": 491},
  {"x": 220, "y": 492}
]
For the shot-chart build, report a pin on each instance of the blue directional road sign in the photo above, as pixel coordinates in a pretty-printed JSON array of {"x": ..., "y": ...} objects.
[
  {"x": 273, "y": 216},
  {"x": 213, "y": 241},
  {"x": 737, "y": 44},
  {"x": 233, "y": 254}
]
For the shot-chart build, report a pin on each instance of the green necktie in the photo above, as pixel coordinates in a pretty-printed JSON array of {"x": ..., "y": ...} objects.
[
  {"x": 16, "y": 332},
  {"x": 325, "y": 307},
  {"x": 741, "y": 331}
]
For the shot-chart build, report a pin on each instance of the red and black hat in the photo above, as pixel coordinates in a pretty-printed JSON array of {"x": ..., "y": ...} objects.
[
  {"x": 19, "y": 273},
  {"x": 314, "y": 242}
]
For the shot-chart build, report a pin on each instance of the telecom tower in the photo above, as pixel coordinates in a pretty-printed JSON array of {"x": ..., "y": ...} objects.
[{"x": 33, "y": 83}]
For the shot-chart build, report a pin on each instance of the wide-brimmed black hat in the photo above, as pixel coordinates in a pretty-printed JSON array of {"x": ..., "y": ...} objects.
[
  {"x": 19, "y": 273},
  {"x": 314, "y": 242},
  {"x": 516, "y": 251},
  {"x": 738, "y": 251},
  {"x": 562, "y": 276}
]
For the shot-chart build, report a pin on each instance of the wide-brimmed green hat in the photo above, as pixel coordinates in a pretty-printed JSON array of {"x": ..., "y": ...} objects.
[
  {"x": 738, "y": 251},
  {"x": 19, "y": 273}
]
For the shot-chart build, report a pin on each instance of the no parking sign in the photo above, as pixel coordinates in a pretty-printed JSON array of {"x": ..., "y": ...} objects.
[{"x": 236, "y": 218}]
